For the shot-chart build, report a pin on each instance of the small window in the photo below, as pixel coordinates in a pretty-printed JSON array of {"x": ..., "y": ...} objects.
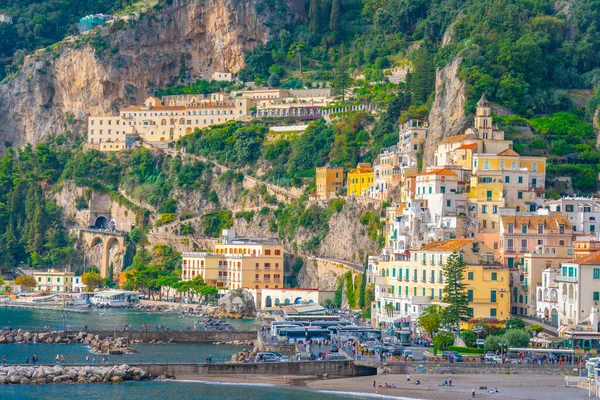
[
  {"x": 494, "y": 276},
  {"x": 470, "y": 275}
]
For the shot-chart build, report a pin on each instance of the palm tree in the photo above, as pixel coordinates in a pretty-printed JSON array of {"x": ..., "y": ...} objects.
[{"x": 296, "y": 49}]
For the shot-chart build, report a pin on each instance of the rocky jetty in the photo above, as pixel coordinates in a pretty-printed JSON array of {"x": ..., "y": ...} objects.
[
  {"x": 237, "y": 342},
  {"x": 105, "y": 346},
  {"x": 244, "y": 355},
  {"x": 110, "y": 346},
  {"x": 37, "y": 375},
  {"x": 236, "y": 304},
  {"x": 172, "y": 308}
]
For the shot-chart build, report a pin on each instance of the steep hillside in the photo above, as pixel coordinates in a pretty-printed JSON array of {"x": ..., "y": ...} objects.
[{"x": 123, "y": 65}]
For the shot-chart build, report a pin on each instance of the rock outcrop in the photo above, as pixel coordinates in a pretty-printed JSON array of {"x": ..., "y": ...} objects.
[
  {"x": 236, "y": 304},
  {"x": 37, "y": 375},
  {"x": 72, "y": 80},
  {"x": 447, "y": 116}
]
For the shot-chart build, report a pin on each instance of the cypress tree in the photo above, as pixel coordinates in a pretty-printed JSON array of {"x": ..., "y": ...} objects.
[
  {"x": 455, "y": 291},
  {"x": 313, "y": 17},
  {"x": 334, "y": 16},
  {"x": 423, "y": 77},
  {"x": 363, "y": 284}
]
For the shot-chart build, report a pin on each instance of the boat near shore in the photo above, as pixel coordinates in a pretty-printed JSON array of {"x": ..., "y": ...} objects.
[
  {"x": 115, "y": 298},
  {"x": 80, "y": 299}
]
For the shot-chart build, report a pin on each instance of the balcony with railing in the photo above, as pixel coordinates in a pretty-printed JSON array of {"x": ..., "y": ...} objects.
[{"x": 571, "y": 279}]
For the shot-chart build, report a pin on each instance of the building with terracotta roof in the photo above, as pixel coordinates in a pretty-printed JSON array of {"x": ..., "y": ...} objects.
[
  {"x": 360, "y": 180},
  {"x": 237, "y": 263},
  {"x": 414, "y": 280},
  {"x": 582, "y": 212},
  {"x": 442, "y": 192},
  {"x": 155, "y": 122}
]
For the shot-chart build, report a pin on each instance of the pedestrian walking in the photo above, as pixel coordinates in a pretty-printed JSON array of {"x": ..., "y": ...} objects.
[
  {"x": 450, "y": 381},
  {"x": 26, "y": 359},
  {"x": 57, "y": 359},
  {"x": 408, "y": 377},
  {"x": 62, "y": 358},
  {"x": 473, "y": 394},
  {"x": 94, "y": 360},
  {"x": 87, "y": 359}
]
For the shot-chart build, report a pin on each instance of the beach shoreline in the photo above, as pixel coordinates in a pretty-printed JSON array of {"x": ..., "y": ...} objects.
[{"x": 509, "y": 386}]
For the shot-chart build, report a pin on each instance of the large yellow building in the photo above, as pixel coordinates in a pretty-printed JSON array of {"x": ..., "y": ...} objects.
[
  {"x": 53, "y": 280},
  {"x": 360, "y": 179},
  {"x": 412, "y": 281},
  {"x": 155, "y": 122},
  {"x": 238, "y": 263},
  {"x": 329, "y": 180}
]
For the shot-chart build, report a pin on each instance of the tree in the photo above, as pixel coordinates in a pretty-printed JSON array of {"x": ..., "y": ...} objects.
[
  {"x": 341, "y": 82},
  {"x": 455, "y": 292},
  {"x": 469, "y": 337},
  {"x": 535, "y": 328},
  {"x": 296, "y": 50},
  {"x": 517, "y": 338},
  {"x": 168, "y": 282},
  {"x": 514, "y": 323},
  {"x": 334, "y": 16},
  {"x": 273, "y": 80},
  {"x": 492, "y": 343},
  {"x": 442, "y": 340},
  {"x": 423, "y": 77},
  {"x": 285, "y": 39},
  {"x": 313, "y": 17},
  {"x": 389, "y": 309},
  {"x": 26, "y": 280},
  {"x": 363, "y": 285},
  {"x": 183, "y": 72},
  {"x": 91, "y": 279},
  {"x": 430, "y": 320}
]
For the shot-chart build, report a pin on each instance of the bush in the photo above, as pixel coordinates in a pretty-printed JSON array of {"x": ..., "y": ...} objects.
[
  {"x": 466, "y": 350},
  {"x": 469, "y": 338},
  {"x": 517, "y": 338},
  {"x": 165, "y": 218},
  {"x": 491, "y": 343}
]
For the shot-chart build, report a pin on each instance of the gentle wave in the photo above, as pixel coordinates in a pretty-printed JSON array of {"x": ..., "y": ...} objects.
[
  {"x": 223, "y": 383},
  {"x": 337, "y": 392}
]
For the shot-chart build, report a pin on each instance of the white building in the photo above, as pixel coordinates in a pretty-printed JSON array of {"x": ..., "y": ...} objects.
[
  {"x": 221, "y": 76},
  {"x": 583, "y": 212},
  {"x": 6, "y": 18},
  {"x": 577, "y": 285}
]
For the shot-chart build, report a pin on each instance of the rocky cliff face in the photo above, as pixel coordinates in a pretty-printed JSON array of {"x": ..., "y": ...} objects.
[
  {"x": 74, "y": 78},
  {"x": 447, "y": 116}
]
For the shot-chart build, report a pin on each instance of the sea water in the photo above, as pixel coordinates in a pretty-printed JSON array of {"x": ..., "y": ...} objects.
[
  {"x": 104, "y": 319},
  {"x": 173, "y": 353}
]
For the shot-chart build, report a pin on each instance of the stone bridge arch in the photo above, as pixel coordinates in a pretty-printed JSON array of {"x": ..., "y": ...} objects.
[{"x": 107, "y": 240}]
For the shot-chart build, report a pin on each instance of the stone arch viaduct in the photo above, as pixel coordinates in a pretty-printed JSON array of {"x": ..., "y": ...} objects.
[{"x": 107, "y": 239}]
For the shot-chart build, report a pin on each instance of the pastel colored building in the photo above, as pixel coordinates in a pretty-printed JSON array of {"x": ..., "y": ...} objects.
[
  {"x": 360, "y": 179},
  {"x": 238, "y": 263},
  {"x": 53, "y": 280},
  {"x": 414, "y": 280},
  {"x": 328, "y": 181},
  {"x": 154, "y": 122},
  {"x": 269, "y": 298}
]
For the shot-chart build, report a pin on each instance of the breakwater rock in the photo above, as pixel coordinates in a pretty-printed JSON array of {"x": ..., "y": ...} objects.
[
  {"x": 36, "y": 375},
  {"x": 172, "y": 308},
  {"x": 107, "y": 345},
  {"x": 110, "y": 346}
]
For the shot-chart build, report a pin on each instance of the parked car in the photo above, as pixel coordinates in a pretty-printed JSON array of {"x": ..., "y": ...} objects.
[
  {"x": 408, "y": 354},
  {"x": 497, "y": 359},
  {"x": 455, "y": 355},
  {"x": 333, "y": 349},
  {"x": 269, "y": 359},
  {"x": 284, "y": 359},
  {"x": 335, "y": 357},
  {"x": 267, "y": 354}
]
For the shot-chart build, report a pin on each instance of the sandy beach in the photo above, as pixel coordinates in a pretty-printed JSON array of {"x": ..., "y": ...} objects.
[{"x": 509, "y": 386}]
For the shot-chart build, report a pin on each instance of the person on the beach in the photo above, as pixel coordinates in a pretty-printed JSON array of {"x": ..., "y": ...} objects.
[
  {"x": 374, "y": 382},
  {"x": 449, "y": 381},
  {"x": 57, "y": 358},
  {"x": 94, "y": 360},
  {"x": 408, "y": 377},
  {"x": 473, "y": 393}
]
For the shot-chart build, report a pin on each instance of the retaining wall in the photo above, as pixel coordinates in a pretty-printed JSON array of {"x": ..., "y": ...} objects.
[
  {"x": 313, "y": 368},
  {"x": 178, "y": 337}
]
